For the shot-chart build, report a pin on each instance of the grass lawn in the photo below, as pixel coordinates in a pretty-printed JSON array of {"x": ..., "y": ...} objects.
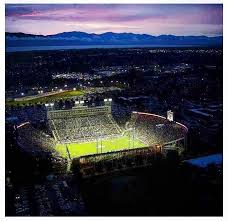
[
  {"x": 108, "y": 145},
  {"x": 48, "y": 98}
]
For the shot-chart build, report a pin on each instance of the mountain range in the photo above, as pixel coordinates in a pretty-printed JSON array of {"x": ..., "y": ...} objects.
[{"x": 108, "y": 38}]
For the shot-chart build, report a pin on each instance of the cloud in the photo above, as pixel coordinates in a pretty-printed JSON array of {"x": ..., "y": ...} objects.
[{"x": 147, "y": 18}]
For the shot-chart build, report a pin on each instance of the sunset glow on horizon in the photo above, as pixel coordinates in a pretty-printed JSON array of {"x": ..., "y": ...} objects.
[{"x": 154, "y": 19}]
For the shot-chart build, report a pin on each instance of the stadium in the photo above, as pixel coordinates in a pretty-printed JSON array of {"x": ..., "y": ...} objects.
[{"x": 91, "y": 134}]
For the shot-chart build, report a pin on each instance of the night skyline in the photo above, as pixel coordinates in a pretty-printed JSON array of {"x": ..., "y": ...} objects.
[{"x": 182, "y": 19}]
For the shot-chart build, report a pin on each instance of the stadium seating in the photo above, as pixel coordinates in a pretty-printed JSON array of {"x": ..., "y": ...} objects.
[
  {"x": 156, "y": 130},
  {"x": 83, "y": 128},
  {"x": 35, "y": 139}
]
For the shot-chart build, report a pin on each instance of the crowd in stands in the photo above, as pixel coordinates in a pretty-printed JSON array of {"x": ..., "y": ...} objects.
[
  {"x": 84, "y": 128},
  {"x": 68, "y": 127},
  {"x": 157, "y": 130}
]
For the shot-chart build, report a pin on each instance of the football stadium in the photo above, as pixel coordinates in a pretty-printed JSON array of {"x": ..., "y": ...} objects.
[{"x": 91, "y": 133}]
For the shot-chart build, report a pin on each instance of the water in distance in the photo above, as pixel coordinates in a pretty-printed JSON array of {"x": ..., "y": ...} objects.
[{"x": 47, "y": 48}]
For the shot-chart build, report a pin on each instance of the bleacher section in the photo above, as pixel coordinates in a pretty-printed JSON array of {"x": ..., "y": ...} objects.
[
  {"x": 82, "y": 124},
  {"x": 154, "y": 129}
]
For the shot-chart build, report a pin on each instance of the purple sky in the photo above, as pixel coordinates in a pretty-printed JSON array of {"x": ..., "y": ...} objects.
[{"x": 152, "y": 19}]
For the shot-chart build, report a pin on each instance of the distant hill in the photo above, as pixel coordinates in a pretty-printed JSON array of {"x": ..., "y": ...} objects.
[
  {"x": 21, "y": 35},
  {"x": 108, "y": 38}
]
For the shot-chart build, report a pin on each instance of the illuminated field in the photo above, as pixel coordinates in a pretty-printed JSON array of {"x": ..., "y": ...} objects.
[
  {"x": 104, "y": 146},
  {"x": 46, "y": 99}
]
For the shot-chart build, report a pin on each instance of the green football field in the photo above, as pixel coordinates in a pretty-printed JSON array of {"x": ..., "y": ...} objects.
[
  {"x": 46, "y": 99},
  {"x": 100, "y": 146}
]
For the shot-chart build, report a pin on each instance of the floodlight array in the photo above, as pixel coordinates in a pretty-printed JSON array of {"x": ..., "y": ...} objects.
[
  {"x": 107, "y": 99},
  {"x": 49, "y": 105}
]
